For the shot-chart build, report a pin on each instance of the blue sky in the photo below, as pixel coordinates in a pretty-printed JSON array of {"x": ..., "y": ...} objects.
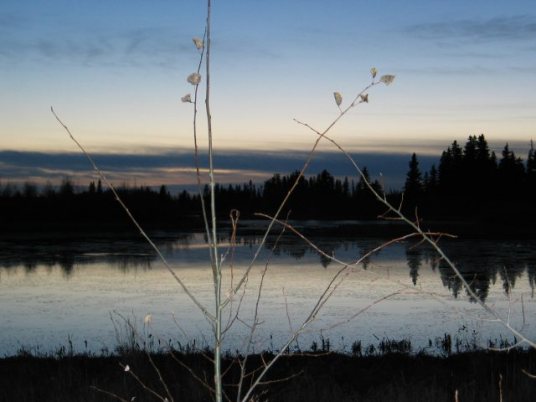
[{"x": 115, "y": 72}]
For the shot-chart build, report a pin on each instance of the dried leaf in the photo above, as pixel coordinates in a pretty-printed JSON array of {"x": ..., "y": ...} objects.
[
  {"x": 194, "y": 78},
  {"x": 198, "y": 42},
  {"x": 147, "y": 319},
  {"x": 364, "y": 98},
  {"x": 387, "y": 79},
  {"x": 338, "y": 98},
  {"x": 187, "y": 98},
  {"x": 373, "y": 72}
]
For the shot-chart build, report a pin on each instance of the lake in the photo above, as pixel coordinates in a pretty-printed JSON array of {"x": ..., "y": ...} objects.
[{"x": 80, "y": 291}]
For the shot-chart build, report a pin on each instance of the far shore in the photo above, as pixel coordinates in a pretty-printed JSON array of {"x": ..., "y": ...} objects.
[{"x": 360, "y": 228}]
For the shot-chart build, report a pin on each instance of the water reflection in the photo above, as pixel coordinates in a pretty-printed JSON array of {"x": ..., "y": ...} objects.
[{"x": 482, "y": 263}]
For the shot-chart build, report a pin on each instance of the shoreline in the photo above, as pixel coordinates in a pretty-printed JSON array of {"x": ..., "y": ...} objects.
[{"x": 361, "y": 228}]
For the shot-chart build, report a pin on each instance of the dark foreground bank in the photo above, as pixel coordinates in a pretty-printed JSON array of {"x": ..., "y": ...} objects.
[{"x": 475, "y": 376}]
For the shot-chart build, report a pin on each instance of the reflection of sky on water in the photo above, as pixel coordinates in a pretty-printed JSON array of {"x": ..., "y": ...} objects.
[{"x": 52, "y": 290}]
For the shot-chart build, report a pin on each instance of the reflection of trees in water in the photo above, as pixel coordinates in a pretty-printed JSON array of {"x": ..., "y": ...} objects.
[
  {"x": 413, "y": 257},
  {"x": 509, "y": 270},
  {"x": 479, "y": 282},
  {"x": 352, "y": 250},
  {"x": 481, "y": 263},
  {"x": 66, "y": 262},
  {"x": 481, "y": 266},
  {"x": 430, "y": 257},
  {"x": 30, "y": 266},
  {"x": 365, "y": 248},
  {"x": 125, "y": 255},
  {"x": 531, "y": 273}
]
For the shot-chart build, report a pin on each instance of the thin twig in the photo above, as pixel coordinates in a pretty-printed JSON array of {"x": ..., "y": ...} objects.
[
  {"x": 533, "y": 376},
  {"x": 357, "y": 100},
  {"x": 133, "y": 220},
  {"x": 130, "y": 372},
  {"x": 256, "y": 323},
  {"x": 430, "y": 240},
  {"x": 102, "y": 391},
  {"x": 201, "y": 381}
]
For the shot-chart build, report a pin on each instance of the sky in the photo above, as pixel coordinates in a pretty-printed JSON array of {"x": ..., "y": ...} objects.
[{"x": 115, "y": 71}]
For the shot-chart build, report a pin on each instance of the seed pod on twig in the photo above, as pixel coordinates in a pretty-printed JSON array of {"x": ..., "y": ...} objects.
[
  {"x": 387, "y": 79},
  {"x": 194, "y": 78},
  {"x": 338, "y": 98},
  {"x": 198, "y": 42}
]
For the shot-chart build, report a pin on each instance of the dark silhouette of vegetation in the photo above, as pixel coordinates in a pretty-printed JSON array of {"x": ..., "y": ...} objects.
[
  {"x": 65, "y": 206},
  {"x": 472, "y": 186},
  {"x": 385, "y": 373},
  {"x": 469, "y": 184}
]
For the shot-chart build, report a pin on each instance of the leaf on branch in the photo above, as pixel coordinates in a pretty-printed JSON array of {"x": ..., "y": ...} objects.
[
  {"x": 198, "y": 42},
  {"x": 338, "y": 98},
  {"x": 387, "y": 79},
  {"x": 373, "y": 72},
  {"x": 194, "y": 78},
  {"x": 187, "y": 98},
  {"x": 364, "y": 98}
]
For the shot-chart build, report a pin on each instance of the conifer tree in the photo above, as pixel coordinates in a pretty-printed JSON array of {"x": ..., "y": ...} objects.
[
  {"x": 531, "y": 171},
  {"x": 414, "y": 185},
  {"x": 511, "y": 173}
]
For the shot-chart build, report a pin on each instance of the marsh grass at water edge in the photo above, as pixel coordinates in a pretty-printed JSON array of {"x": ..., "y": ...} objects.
[{"x": 319, "y": 376}]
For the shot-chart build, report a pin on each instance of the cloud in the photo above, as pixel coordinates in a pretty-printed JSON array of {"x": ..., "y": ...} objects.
[
  {"x": 142, "y": 46},
  {"x": 32, "y": 40},
  {"x": 515, "y": 28},
  {"x": 177, "y": 169}
]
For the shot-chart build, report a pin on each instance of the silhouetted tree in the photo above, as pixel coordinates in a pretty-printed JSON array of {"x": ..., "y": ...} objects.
[
  {"x": 92, "y": 189},
  {"x": 431, "y": 181},
  {"x": 450, "y": 168},
  {"x": 531, "y": 172},
  {"x": 511, "y": 172},
  {"x": 29, "y": 190},
  {"x": 413, "y": 187},
  {"x": 66, "y": 188},
  {"x": 48, "y": 191}
]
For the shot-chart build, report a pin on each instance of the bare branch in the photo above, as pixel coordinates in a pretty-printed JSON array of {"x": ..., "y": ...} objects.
[
  {"x": 103, "y": 177},
  {"x": 130, "y": 372},
  {"x": 430, "y": 240},
  {"x": 111, "y": 394},
  {"x": 533, "y": 376}
]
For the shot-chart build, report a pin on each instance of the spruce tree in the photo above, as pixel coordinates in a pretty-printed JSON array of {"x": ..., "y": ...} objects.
[{"x": 414, "y": 185}]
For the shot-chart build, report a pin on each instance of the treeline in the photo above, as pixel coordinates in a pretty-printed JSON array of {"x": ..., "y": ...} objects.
[
  {"x": 469, "y": 184},
  {"x": 473, "y": 183},
  {"x": 68, "y": 205},
  {"x": 317, "y": 197}
]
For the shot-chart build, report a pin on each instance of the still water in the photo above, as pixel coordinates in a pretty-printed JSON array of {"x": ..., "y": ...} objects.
[{"x": 78, "y": 291}]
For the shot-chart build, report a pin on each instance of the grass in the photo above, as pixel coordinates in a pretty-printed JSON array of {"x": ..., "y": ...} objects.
[{"x": 389, "y": 372}]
